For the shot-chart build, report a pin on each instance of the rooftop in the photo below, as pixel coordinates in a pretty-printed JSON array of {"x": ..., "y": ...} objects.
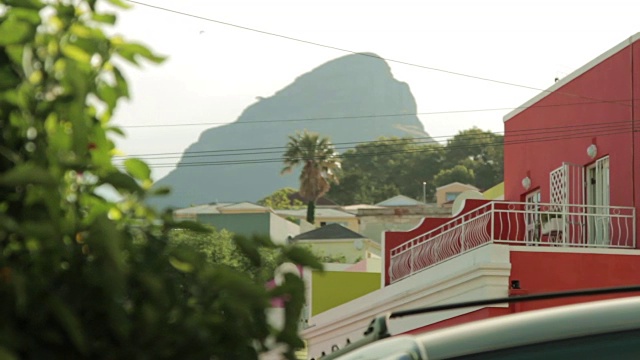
[{"x": 329, "y": 232}]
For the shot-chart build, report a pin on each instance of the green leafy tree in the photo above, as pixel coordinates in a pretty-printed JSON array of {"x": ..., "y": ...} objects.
[
  {"x": 376, "y": 171},
  {"x": 319, "y": 162},
  {"x": 458, "y": 173},
  {"x": 281, "y": 199},
  {"x": 480, "y": 151},
  {"x": 220, "y": 248},
  {"x": 83, "y": 277}
]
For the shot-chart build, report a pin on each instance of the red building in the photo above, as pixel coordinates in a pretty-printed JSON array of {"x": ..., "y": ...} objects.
[{"x": 568, "y": 221}]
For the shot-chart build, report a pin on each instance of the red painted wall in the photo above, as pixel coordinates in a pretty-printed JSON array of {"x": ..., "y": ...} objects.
[
  {"x": 595, "y": 107},
  {"x": 636, "y": 118},
  {"x": 540, "y": 272}
]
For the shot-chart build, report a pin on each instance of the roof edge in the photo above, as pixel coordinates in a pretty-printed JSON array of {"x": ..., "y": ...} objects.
[
  {"x": 565, "y": 80},
  {"x": 454, "y": 183}
]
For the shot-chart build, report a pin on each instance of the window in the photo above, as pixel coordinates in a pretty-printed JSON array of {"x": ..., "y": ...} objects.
[{"x": 450, "y": 196}]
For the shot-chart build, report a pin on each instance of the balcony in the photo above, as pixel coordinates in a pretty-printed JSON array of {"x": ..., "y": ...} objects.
[{"x": 516, "y": 223}]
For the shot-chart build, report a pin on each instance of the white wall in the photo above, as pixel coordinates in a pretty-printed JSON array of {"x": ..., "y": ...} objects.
[
  {"x": 280, "y": 229},
  {"x": 479, "y": 274}
]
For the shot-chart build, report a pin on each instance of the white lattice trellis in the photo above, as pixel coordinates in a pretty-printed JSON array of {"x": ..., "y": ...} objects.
[
  {"x": 558, "y": 186},
  {"x": 566, "y": 193}
]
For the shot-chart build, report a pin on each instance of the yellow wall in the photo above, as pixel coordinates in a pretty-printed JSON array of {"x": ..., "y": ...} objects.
[
  {"x": 333, "y": 288},
  {"x": 495, "y": 193}
]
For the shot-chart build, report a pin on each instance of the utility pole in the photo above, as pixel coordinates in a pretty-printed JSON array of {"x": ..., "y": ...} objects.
[{"x": 424, "y": 192}]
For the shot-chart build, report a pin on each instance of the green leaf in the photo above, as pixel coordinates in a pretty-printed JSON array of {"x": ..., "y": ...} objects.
[
  {"x": 131, "y": 51},
  {"x": 138, "y": 169},
  {"x": 161, "y": 190},
  {"x": 121, "y": 83},
  {"x": 28, "y": 4},
  {"x": 108, "y": 94},
  {"x": 116, "y": 130},
  {"x": 15, "y": 53},
  {"x": 104, "y": 18},
  {"x": 69, "y": 322},
  {"x": 179, "y": 265},
  {"x": 302, "y": 256},
  {"x": 31, "y": 16},
  {"x": 119, "y": 3},
  {"x": 27, "y": 174},
  {"x": 15, "y": 32},
  {"x": 188, "y": 225},
  {"x": 122, "y": 181},
  {"x": 105, "y": 244},
  {"x": 264, "y": 241},
  {"x": 75, "y": 53},
  {"x": 8, "y": 78},
  {"x": 5, "y": 354},
  {"x": 249, "y": 248}
]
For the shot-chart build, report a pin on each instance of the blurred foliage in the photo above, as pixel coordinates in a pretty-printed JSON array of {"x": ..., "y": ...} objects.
[
  {"x": 221, "y": 248},
  {"x": 376, "y": 171},
  {"x": 83, "y": 277},
  {"x": 281, "y": 200}
]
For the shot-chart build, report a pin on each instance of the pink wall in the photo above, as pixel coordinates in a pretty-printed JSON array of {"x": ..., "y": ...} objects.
[
  {"x": 636, "y": 118},
  {"x": 534, "y": 148},
  {"x": 548, "y": 272}
]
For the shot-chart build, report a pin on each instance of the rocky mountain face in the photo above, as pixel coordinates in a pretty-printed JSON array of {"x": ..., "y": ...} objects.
[{"x": 351, "y": 99}]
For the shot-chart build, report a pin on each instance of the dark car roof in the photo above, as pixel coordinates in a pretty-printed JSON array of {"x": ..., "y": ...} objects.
[{"x": 532, "y": 327}]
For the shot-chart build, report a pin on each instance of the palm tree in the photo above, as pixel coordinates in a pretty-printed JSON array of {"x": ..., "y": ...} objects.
[{"x": 319, "y": 162}]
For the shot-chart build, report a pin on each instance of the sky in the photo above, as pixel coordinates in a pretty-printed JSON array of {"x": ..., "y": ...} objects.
[{"x": 214, "y": 71}]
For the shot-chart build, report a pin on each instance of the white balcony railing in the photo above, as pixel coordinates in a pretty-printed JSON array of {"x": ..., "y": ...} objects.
[{"x": 516, "y": 223}]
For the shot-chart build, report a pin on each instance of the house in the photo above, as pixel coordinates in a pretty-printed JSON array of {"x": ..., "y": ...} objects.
[
  {"x": 400, "y": 201},
  {"x": 397, "y": 213},
  {"x": 324, "y": 216},
  {"x": 335, "y": 240},
  {"x": 242, "y": 218},
  {"x": 446, "y": 194},
  {"x": 568, "y": 219}
]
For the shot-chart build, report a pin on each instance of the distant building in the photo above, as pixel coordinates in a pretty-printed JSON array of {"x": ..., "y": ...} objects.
[
  {"x": 446, "y": 194},
  {"x": 397, "y": 213},
  {"x": 241, "y": 218},
  {"x": 324, "y": 216},
  {"x": 336, "y": 240}
]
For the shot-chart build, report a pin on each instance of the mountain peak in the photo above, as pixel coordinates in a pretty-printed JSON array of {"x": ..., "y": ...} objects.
[{"x": 354, "y": 98}]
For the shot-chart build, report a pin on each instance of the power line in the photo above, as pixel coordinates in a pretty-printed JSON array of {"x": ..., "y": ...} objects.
[
  {"x": 361, "y": 54},
  {"x": 575, "y": 135},
  {"x": 349, "y": 145},
  {"x": 363, "y": 116}
]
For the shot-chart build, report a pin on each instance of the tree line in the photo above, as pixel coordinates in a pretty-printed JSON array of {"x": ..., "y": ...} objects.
[{"x": 377, "y": 170}]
